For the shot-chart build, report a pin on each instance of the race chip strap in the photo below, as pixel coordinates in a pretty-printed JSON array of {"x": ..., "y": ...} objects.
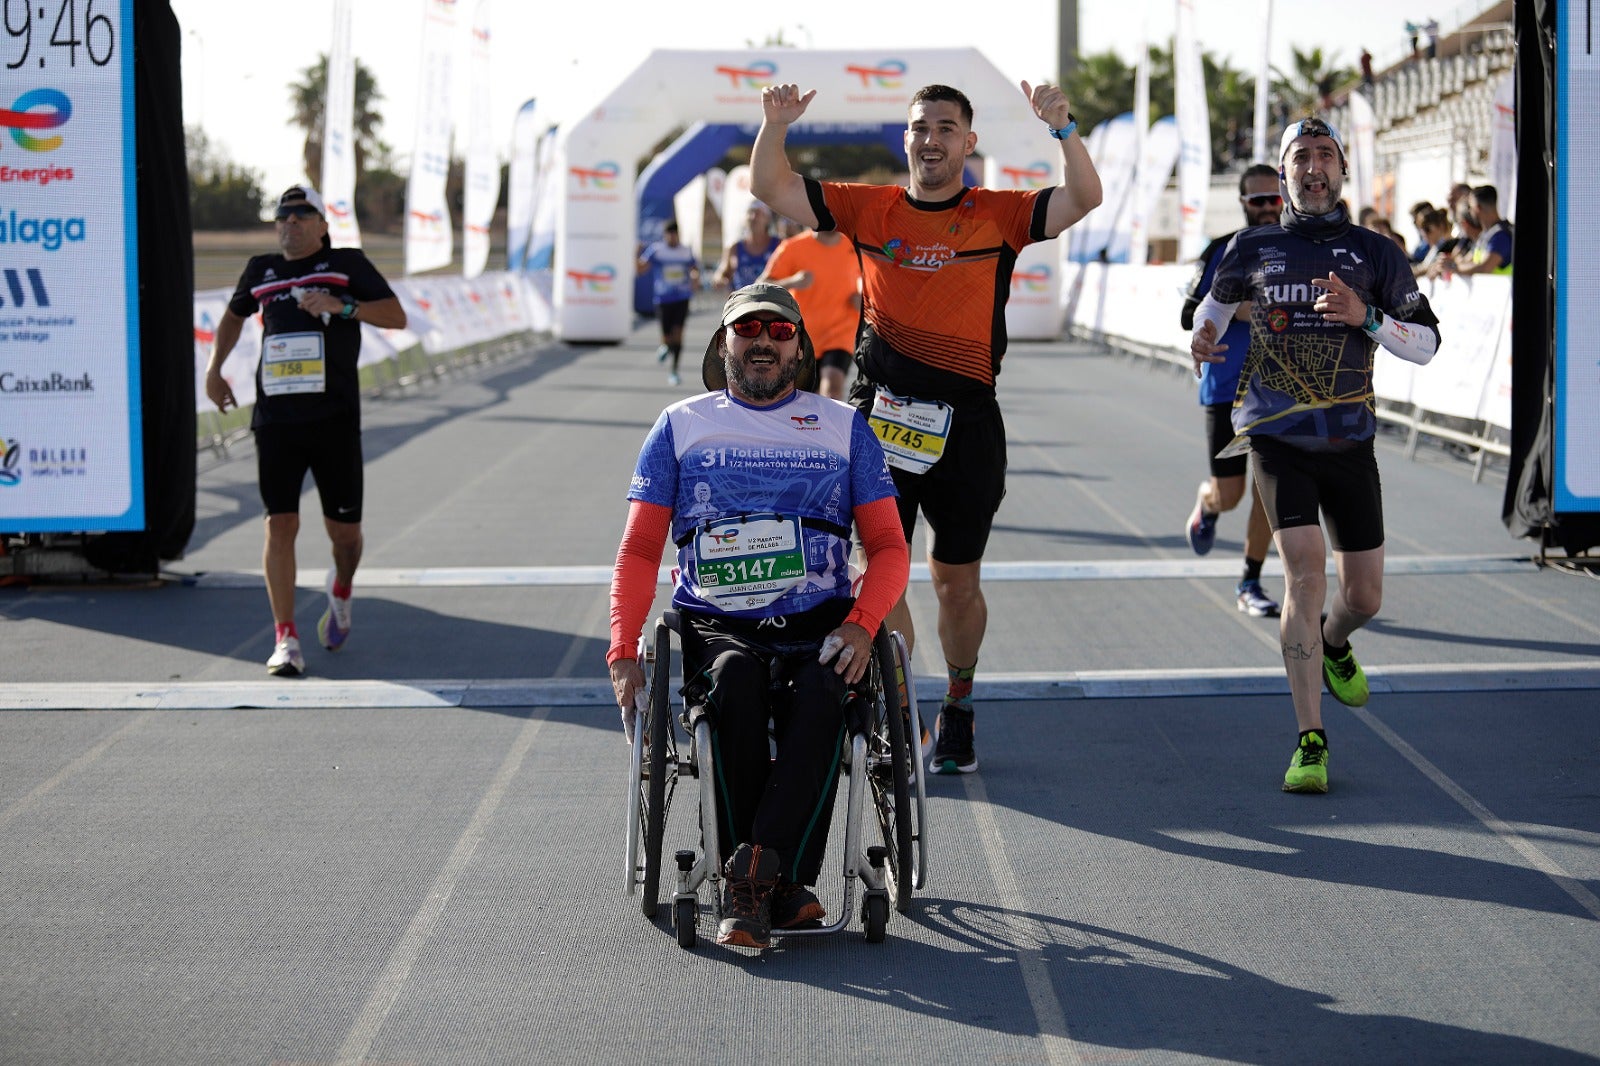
[
  {"x": 913, "y": 432},
  {"x": 292, "y": 362}
]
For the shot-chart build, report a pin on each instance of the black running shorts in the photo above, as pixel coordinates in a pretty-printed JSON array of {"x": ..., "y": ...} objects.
[
  {"x": 1219, "y": 434},
  {"x": 1341, "y": 483},
  {"x": 959, "y": 494},
  {"x": 330, "y": 450},
  {"x": 837, "y": 358},
  {"x": 673, "y": 315}
]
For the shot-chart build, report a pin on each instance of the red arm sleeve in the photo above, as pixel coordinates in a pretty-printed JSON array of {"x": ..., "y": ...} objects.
[
  {"x": 633, "y": 582},
  {"x": 888, "y": 562}
]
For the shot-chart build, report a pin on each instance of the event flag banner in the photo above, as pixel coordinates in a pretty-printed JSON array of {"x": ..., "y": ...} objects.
[
  {"x": 523, "y": 185},
  {"x": 1259, "y": 153},
  {"x": 1194, "y": 136},
  {"x": 338, "y": 185},
  {"x": 483, "y": 164},
  {"x": 71, "y": 450},
  {"x": 428, "y": 238},
  {"x": 1361, "y": 148},
  {"x": 1136, "y": 223}
]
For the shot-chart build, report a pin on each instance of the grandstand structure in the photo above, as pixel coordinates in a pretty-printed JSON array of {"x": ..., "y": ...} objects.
[{"x": 1435, "y": 117}]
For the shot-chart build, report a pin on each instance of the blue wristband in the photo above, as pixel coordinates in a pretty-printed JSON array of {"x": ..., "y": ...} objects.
[{"x": 1065, "y": 131}]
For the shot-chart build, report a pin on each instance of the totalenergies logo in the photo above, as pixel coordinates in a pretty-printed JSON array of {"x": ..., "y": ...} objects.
[
  {"x": 752, "y": 77},
  {"x": 340, "y": 209},
  {"x": 205, "y": 331},
  {"x": 727, "y": 536},
  {"x": 1032, "y": 176},
  {"x": 595, "y": 279},
  {"x": 1034, "y": 279},
  {"x": 37, "y": 109},
  {"x": 599, "y": 176},
  {"x": 888, "y": 74},
  {"x": 802, "y": 421},
  {"x": 427, "y": 220}
]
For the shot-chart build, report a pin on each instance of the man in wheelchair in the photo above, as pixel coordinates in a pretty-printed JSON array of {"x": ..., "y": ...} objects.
[{"x": 772, "y": 634}]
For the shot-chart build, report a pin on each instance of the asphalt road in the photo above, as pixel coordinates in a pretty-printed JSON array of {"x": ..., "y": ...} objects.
[{"x": 415, "y": 854}]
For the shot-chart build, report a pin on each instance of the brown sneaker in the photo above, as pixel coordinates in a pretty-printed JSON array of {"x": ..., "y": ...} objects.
[
  {"x": 795, "y": 905},
  {"x": 752, "y": 874}
]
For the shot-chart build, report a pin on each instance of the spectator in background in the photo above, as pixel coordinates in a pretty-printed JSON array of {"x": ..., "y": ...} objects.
[
  {"x": 1434, "y": 225},
  {"x": 1262, "y": 202},
  {"x": 1458, "y": 195},
  {"x": 1411, "y": 31},
  {"x": 743, "y": 263},
  {"x": 1430, "y": 29},
  {"x": 1419, "y": 209},
  {"x": 1491, "y": 248},
  {"x": 676, "y": 277},
  {"x": 822, "y": 272},
  {"x": 1468, "y": 231},
  {"x": 1366, "y": 67}
]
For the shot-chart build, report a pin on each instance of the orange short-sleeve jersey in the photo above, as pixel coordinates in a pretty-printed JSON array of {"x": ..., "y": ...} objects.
[
  {"x": 828, "y": 303},
  {"x": 936, "y": 276}
]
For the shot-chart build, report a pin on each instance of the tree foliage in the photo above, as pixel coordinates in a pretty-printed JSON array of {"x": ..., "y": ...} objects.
[
  {"x": 1311, "y": 85},
  {"x": 222, "y": 194},
  {"x": 1102, "y": 87},
  {"x": 308, "y": 98}
]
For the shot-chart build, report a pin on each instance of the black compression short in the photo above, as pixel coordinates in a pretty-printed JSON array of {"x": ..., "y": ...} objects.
[{"x": 330, "y": 450}]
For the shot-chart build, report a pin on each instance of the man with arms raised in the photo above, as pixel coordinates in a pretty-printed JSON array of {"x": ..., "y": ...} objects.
[{"x": 936, "y": 259}]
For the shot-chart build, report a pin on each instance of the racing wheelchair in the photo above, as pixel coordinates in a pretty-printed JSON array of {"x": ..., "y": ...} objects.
[{"x": 881, "y": 759}]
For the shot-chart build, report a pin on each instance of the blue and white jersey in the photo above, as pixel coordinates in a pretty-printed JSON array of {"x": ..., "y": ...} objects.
[
  {"x": 671, "y": 264},
  {"x": 1303, "y": 376},
  {"x": 762, "y": 498}
]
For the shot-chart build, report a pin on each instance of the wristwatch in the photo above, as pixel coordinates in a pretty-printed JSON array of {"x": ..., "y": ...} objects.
[
  {"x": 1066, "y": 131},
  {"x": 349, "y": 309}
]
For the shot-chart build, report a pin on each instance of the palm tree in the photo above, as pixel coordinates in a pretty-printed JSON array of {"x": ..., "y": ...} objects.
[
  {"x": 1310, "y": 88},
  {"x": 308, "y": 96},
  {"x": 1101, "y": 87}
]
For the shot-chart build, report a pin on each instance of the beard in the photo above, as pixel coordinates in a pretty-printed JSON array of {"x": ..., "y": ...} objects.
[
  {"x": 1317, "y": 203},
  {"x": 759, "y": 391}
]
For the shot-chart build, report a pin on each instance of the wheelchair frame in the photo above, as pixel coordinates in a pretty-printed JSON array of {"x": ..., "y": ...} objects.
[{"x": 883, "y": 762}]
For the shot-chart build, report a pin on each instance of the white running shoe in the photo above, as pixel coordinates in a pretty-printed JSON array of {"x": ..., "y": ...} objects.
[
  {"x": 334, "y": 627},
  {"x": 286, "y": 659}
]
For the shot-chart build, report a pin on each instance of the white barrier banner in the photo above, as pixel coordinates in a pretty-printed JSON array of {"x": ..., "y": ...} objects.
[
  {"x": 338, "y": 186},
  {"x": 443, "y": 313},
  {"x": 1470, "y": 377},
  {"x": 429, "y": 243},
  {"x": 239, "y": 369}
]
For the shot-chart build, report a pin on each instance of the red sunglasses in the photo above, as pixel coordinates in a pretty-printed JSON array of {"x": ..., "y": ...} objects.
[
  {"x": 777, "y": 329},
  {"x": 1263, "y": 199}
]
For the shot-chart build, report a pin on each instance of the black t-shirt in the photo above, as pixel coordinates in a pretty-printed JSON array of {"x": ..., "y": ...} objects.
[{"x": 291, "y": 337}]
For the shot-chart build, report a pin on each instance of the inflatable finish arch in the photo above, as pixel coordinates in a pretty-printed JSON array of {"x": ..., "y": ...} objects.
[{"x": 595, "y": 215}]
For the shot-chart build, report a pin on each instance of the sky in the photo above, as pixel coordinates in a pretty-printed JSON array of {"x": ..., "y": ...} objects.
[{"x": 237, "y": 70}]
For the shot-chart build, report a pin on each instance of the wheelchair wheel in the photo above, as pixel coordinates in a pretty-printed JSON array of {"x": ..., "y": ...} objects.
[
  {"x": 875, "y": 916},
  {"x": 889, "y": 757},
  {"x": 685, "y": 913},
  {"x": 655, "y": 794}
]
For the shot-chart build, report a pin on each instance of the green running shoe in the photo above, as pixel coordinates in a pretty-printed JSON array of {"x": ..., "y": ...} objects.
[
  {"x": 1308, "y": 770},
  {"x": 1345, "y": 678}
]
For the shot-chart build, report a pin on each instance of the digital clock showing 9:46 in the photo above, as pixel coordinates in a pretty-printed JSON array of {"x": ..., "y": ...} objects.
[{"x": 49, "y": 33}]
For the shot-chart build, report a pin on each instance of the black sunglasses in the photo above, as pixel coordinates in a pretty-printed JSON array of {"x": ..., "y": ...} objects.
[
  {"x": 1263, "y": 199},
  {"x": 297, "y": 210},
  {"x": 777, "y": 329}
]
